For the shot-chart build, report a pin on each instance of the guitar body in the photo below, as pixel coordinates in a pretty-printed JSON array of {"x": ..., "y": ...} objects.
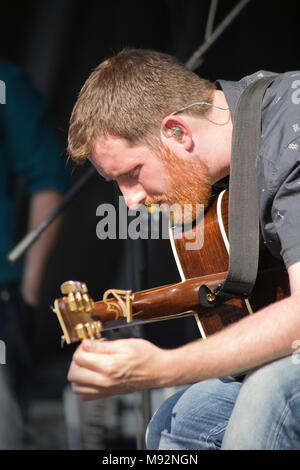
[{"x": 211, "y": 256}]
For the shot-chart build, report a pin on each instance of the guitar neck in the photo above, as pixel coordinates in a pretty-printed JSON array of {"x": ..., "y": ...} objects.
[{"x": 160, "y": 302}]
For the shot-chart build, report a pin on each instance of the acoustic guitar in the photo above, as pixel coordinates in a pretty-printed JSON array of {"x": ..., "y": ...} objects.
[{"x": 81, "y": 317}]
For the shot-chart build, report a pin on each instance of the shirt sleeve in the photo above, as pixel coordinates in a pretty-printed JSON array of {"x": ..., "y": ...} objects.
[
  {"x": 31, "y": 139},
  {"x": 286, "y": 205}
]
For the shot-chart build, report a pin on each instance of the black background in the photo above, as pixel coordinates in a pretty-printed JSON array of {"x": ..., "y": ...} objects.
[{"x": 58, "y": 43}]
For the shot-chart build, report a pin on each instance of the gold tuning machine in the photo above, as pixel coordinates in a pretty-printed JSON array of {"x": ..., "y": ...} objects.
[
  {"x": 74, "y": 312},
  {"x": 76, "y": 296},
  {"x": 90, "y": 330}
]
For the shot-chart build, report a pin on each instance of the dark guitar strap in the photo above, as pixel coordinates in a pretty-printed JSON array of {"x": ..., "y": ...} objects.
[{"x": 243, "y": 199}]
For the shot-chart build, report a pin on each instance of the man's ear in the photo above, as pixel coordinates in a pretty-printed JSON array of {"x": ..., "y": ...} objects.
[{"x": 173, "y": 127}]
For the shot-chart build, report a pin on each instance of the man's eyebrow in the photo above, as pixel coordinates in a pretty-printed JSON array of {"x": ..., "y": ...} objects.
[{"x": 125, "y": 173}]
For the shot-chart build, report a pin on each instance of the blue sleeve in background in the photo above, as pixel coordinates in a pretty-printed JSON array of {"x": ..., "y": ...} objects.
[
  {"x": 31, "y": 142},
  {"x": 30, "y": 148}
]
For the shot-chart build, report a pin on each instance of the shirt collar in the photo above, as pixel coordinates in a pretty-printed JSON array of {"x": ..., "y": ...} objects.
[{"x": 232, "y": 91}]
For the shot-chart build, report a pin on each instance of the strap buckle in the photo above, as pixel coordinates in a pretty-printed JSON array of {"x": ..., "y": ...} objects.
[{"x": 213, "y": 298}]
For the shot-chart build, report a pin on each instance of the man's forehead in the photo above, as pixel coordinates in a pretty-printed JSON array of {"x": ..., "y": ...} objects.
[
  {"x": 116, "y": 146},
  {"x": 104, "y": 145},
  {"x": 113, "y": 155}
]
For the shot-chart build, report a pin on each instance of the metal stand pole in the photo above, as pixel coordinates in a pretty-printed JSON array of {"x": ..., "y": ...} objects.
[
  {"x": 197, "y": 58},
  {"x": 32, "y": 236}
]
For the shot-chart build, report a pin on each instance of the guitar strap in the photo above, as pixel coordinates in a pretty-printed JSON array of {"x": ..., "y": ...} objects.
[{"x": 243, "y": 199}]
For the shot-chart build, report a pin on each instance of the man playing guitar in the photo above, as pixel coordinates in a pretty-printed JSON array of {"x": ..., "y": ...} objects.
[{"x": 164, "y": 135}]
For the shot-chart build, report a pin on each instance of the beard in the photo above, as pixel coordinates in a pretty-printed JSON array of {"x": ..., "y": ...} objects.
[{"x": 189, "y": 188}]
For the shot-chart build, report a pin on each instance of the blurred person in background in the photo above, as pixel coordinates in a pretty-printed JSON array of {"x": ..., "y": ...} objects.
[{"x": 31, "y": 159}]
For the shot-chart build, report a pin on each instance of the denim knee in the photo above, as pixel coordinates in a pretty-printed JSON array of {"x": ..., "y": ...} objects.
[
  {"x": 267, "y": 410},
  {"x": 194, "y": 418},
  {"x": 160, "y": 421}
]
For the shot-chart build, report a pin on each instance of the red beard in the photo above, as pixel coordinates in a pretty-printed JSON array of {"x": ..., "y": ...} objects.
[{"x": 188, "y": 186}]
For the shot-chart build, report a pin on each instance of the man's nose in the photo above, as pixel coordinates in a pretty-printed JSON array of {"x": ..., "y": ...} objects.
[{"x": 134, "y": 196}]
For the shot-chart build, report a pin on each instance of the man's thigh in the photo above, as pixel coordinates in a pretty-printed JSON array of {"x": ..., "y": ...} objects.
[
  {"x": 194, "y": 418},
  {"x": 267, "y": 410}
]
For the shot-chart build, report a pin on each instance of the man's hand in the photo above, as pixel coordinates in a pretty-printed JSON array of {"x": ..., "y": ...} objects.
[{"x": 101, "y": 369}]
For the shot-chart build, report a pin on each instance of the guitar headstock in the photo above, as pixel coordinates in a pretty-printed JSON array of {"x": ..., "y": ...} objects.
[{"x": 74, "y": 312}]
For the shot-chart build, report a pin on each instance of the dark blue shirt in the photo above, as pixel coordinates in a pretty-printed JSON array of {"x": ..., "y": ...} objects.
[
  {"x": 29, "y": 147},
  {"x": 278, "y": 161}
]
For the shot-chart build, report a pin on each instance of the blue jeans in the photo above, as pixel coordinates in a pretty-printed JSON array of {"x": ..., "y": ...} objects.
[{"x": 263, "y": 412}]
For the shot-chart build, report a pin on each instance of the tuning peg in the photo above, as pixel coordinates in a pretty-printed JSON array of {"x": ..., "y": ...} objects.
[
  {"x": 84, "y": 288},
  {"x": 73, "y": 286},
  {"x": 88, "y": 330},
  {"x": 69, "y": 287}
]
